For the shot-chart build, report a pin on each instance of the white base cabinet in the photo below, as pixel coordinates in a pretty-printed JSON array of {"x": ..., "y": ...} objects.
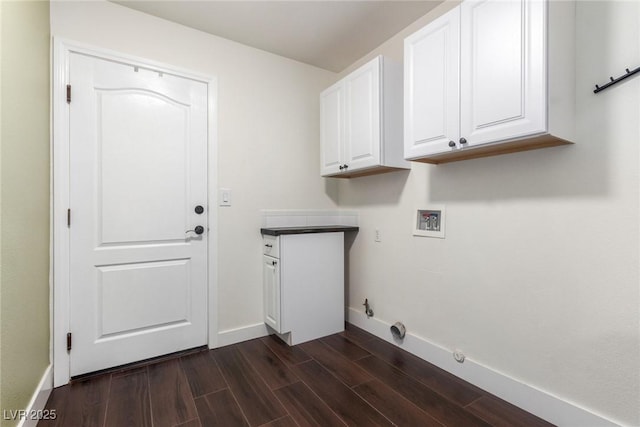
[
  {"x": 490, "y": 77},
  {"x": 303, "y": 278}
]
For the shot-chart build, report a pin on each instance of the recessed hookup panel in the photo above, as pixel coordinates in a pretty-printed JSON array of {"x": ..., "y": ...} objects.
[{"x": 429, "y": 222}]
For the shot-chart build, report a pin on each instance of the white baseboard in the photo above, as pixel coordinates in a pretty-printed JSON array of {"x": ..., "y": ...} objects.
[
  {"x": 38, "y": 400},
  {"x": 245, "y": 333},
  {"x": 529, "y": 398}
]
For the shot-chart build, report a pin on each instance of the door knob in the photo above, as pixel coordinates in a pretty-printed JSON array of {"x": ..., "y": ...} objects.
[
  {"x": 198, "y": 230},
  {"x": 199, "y": 209}
]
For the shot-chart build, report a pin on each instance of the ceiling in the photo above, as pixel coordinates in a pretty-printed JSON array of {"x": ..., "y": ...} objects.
[{"x": 329, "y": 34}]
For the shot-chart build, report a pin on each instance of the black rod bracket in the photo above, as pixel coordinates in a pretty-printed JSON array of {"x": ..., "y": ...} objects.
[{"x": 614, "y": 81}]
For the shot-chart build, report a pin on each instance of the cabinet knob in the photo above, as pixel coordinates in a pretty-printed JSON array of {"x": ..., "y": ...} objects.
[
  {"x": 452, "y": 144},
  {"x": 463, "y": 141},
  {"x": 341, "y": 167},
  {"x": 346, "y": 166},
  {"x": 274, "y": 262}
]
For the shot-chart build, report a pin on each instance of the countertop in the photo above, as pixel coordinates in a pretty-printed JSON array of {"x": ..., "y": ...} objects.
[{"x": 277, "y": 231}]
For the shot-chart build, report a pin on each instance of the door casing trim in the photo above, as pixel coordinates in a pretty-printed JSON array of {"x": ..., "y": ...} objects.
[{"x": 60, "y": 256}]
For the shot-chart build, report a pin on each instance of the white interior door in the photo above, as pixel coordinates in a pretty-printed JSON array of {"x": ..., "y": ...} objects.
[{"x": 138, "y": 169}]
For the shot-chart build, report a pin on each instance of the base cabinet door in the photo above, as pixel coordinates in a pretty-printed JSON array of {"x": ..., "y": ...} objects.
[{"x": 272, "y": 301}]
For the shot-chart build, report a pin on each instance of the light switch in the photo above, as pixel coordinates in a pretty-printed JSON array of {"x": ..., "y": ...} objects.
[{"x": 225, "y": 197}]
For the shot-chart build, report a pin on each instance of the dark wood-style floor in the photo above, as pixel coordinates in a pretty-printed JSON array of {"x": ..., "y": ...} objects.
[{"x": 352, "y": 378}]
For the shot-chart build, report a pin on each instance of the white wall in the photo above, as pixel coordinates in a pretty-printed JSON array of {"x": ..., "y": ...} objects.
[
  {"x": 268, "y": 136},
  {"x": 538, "y": 275}
]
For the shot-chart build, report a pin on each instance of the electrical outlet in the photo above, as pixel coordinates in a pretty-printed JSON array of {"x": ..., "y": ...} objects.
[{"x": 377, "y": 237}]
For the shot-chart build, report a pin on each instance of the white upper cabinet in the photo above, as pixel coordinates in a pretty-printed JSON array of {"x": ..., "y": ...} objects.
[
  {"x": 331, "y": 129},
  {"x": 361, "y": 122},
  {"x": 431, "y": 86},
  {"x": 503, "y": 76},
  {"x": 490, "y": 77}
]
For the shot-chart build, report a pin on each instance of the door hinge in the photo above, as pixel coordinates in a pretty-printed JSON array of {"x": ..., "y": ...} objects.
[
  {"x": 68, "y": 217},
  {"x": 68, "y": 94},
  {"x": 69, "y": 341}
]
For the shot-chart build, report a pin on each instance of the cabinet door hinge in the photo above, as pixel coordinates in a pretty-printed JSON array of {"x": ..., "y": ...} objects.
[
  {"x": 68, "y": 217},
  {"x": 69, "y": 341},
  {"x": 68, "y": 94}
]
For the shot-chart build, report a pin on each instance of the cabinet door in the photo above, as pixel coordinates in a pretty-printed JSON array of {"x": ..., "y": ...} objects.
[
  {"x": 503, "y": 82},
  {"x": 362, "y": 127},
  {"x": 271, "y": 282},
  {"x": 331, "y": 129},
  {"x": 431, "y": 94}
]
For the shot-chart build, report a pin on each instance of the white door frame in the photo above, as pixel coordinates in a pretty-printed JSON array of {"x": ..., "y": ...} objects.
[{"x": 60, "y": 178}]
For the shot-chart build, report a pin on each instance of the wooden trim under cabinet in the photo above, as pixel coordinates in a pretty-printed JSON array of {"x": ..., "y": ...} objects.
[
  {"x": 495, "y": 149},
  {"x": 366, "y": 172}
]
